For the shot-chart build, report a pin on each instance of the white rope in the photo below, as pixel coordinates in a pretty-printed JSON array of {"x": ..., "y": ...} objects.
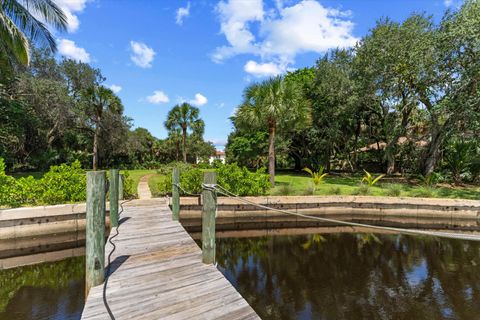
[
  {"x": 177, "y": 185},
  {"x": 451, "y": 235}
]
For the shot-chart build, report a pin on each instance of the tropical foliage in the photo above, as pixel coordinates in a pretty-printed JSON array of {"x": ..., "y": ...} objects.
[
  {"x": 317, "y": 176},
  {"x": 61, "y": 184},
  {"x": 371, "y": 180},
  {"x": 405, "y": 99},
  {"x": 238, "y": 180},
  {"x": 183, "y": 118},
  {"x": 21, "y": 24}
]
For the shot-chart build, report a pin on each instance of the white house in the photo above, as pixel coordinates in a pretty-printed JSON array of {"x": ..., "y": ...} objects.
[{"x": 219, "y": 155}]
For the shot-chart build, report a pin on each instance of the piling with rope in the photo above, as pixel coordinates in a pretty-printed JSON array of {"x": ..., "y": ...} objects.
[
  {"x": 113, "y": 186},
  {"x": 175, "y": 194},
  {"x": 121, "y": 180},
  {"x": 209, "y": 211},
  {"x": 95, "y": 230}
]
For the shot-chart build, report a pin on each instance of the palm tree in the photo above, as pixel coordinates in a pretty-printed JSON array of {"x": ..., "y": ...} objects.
[
  {"x": 185, "y": 117},
  {"x": 100, "y": 99},
  {"x": 175, "y": 136},
  {"x": 273, "y": 103},
  {"x": 20, "y": 24}
]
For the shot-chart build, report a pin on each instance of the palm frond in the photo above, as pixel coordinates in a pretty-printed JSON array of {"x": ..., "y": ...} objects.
[{"x": 13, "y": 39}]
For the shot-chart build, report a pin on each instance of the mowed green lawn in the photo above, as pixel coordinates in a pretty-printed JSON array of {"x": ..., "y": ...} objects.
[
  {"x": 154, "y": 183},
  {"x": 301, "y": 184}
]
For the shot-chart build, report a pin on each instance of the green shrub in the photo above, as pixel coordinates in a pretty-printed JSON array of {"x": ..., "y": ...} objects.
[
  {"x": 217, "y": 163},
  {"x": 166, "y": 169},
  {"x": 430, "y": 180},
  {"x": 204, "y": 165},
  {"x": 309, "y": 190},
  {"x": 8, "y": 187},
  {"x": 191, "y": 181},
  {"x": 284, "y": 190},
  {"x": 129, "y": 190},
  {"x": 362, "y": 190},
  {"x": 63, "y": 183},
  {"x": 393, "y": 190},
  {"x": 29, "y": 191},
  {"x": 241, "y": 181},
  {"x": 335, "y": 190},
  {"x": 238, "y": 180}
]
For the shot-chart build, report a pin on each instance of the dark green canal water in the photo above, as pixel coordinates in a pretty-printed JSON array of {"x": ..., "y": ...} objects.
[
  {"x": 328, "y": 276},
  {"x": 53, "y": 291},
  {"x": 354, "y": 276}
]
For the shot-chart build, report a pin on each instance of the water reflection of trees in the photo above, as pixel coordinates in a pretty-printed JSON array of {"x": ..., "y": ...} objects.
[
  {"x": 44, "y": 291},
  {"x": 355, "y": 276}
]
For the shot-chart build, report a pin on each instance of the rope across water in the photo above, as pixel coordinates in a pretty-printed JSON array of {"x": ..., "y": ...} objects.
[{"x": 450, "y": 235}]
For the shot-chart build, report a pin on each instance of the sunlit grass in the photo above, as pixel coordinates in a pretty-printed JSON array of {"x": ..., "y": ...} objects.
[{"x": 300, "y": 184}]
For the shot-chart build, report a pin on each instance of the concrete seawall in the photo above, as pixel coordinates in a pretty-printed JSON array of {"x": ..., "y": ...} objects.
[
  {"x": 36, "y": 234},
  {"x": 402, "y": 212}
]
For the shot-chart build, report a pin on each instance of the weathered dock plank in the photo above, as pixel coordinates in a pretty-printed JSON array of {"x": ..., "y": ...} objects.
[{"x": 157, "y": 273}]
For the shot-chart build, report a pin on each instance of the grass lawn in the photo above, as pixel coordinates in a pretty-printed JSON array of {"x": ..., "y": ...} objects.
[
  {"x": 135, "y": 175},
  {"x": 300, "y": 184},
  {"x": 154, "y": 183}
]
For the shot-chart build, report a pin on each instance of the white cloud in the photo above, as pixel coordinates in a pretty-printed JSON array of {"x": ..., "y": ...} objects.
[
  {"x": 218, "y": 142},
  {"x": 235, "y": 17},
  {"x": 142, "y": 55},
  {"x": 263, "y": 69},
  {"x": 69, "y": 49},
  {"x": 158, "y": 97},
  {"x": 115, "y": 88},
  {"x": 199, "y": 100},
  {"x": 71, "y": 8},
  {"x": 306, "y": 27},
  {"x": 182, "y": 13},
  {"x": 283, "y": 32},
  {"x": 447, "y": 3}
]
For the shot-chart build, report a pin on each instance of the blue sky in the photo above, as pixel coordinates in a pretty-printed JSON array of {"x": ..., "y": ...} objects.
[{"x": 156, "y": 54}]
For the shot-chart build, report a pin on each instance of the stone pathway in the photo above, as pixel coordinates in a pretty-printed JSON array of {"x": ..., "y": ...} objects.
[{"x": 143, "y": 190}]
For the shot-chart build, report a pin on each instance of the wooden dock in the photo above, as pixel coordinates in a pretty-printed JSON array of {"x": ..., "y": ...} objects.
[{"x": 157, "y": 273}]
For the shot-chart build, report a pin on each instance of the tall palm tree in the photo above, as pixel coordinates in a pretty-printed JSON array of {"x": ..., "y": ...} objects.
[
  {"x": 20, "y": 24},
  {"x": 185, "y": 117},
  {"x": 100, "y": 100},
  {"x": 273, "y": 103}
]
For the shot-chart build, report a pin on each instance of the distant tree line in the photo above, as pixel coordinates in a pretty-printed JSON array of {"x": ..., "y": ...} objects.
[
  {"x": 405, "y": 99},
  {"x": 53, "y": 112}
]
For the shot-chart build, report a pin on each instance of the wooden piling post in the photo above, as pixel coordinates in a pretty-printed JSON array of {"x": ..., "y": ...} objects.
[
  {"x": 121, "y": 179},
  {"x": 95, "y": 233},
  {"x": 175, "y": 194},
  {"x": 209, "y": 211},
  {"x": 113, "y": 188}
]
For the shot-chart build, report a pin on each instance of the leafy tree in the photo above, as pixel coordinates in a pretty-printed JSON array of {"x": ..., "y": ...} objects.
[
  {"x": 185, "y": 117},
  {"x": 335, "y": 114},
  {"x": 384, "y": 61},
  {"x": 247, "y": 148},
  {"x": 101, "y": 100}
]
